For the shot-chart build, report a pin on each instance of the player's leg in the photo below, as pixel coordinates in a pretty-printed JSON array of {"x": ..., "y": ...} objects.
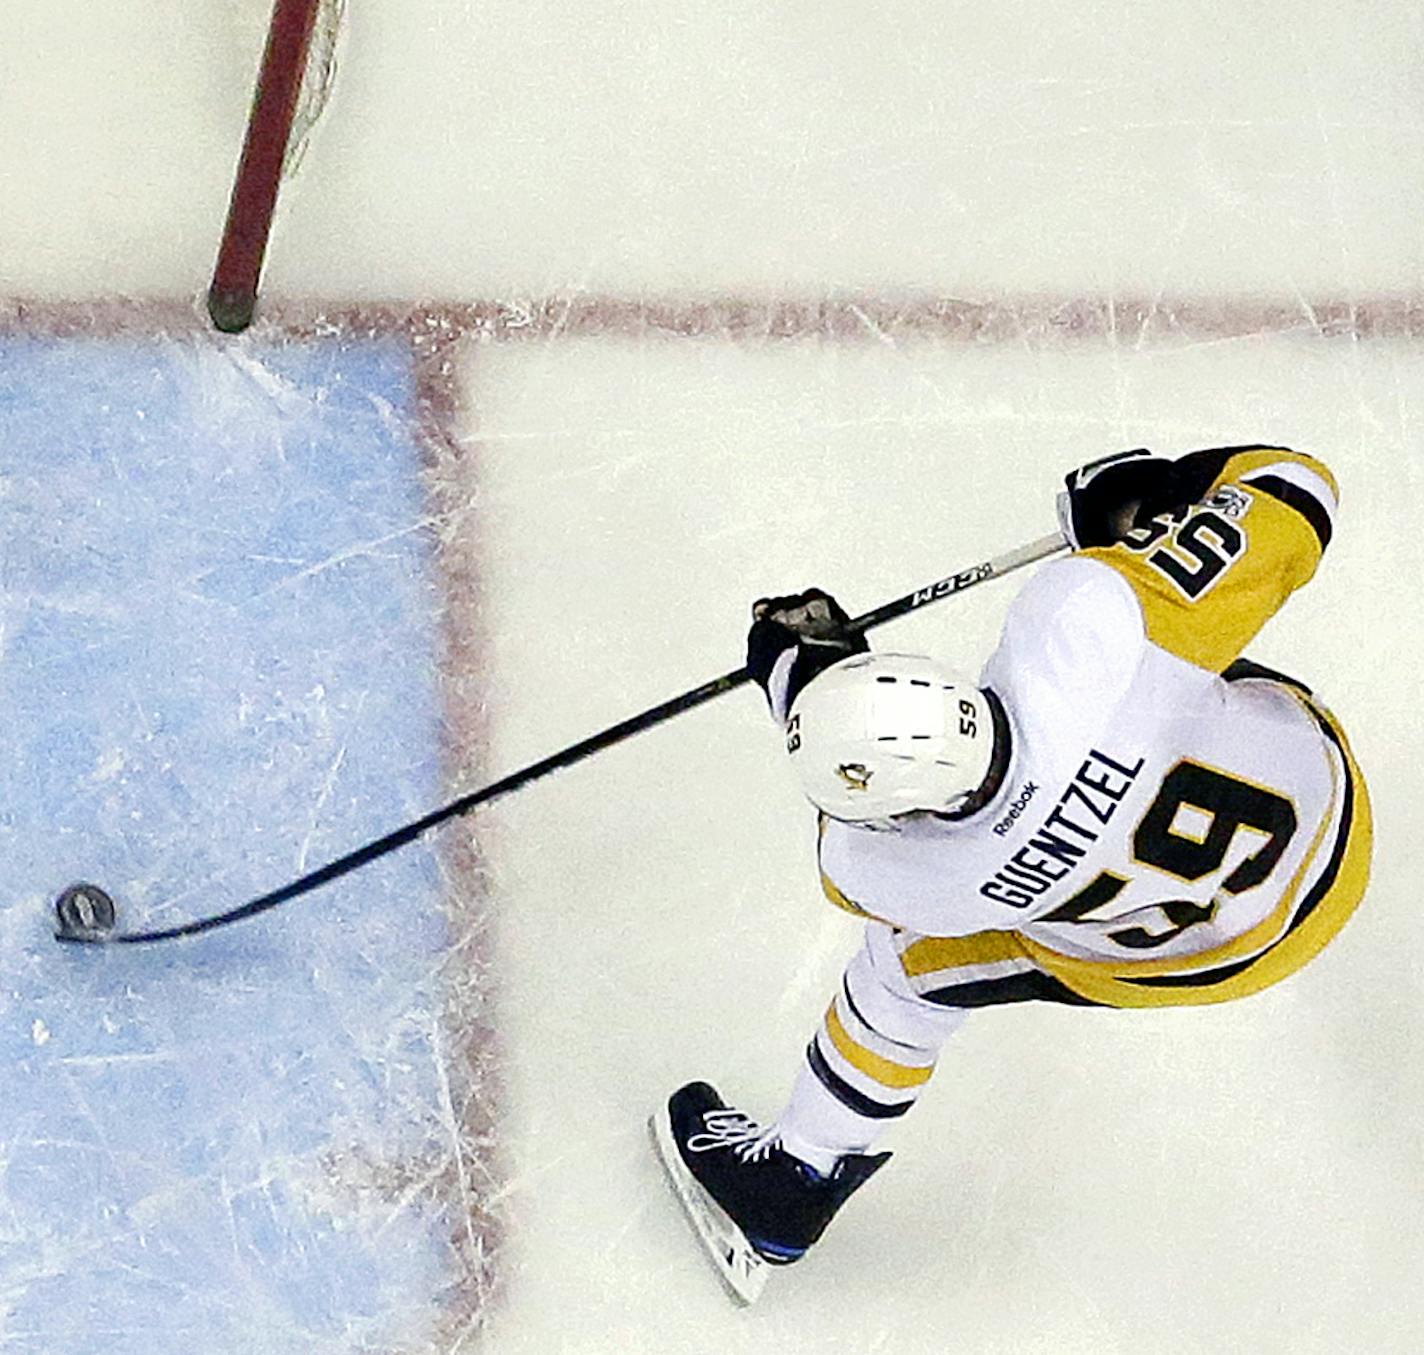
[
  {"x": 761, "y": 1195},
  {"x": 870, "y": 1058}
]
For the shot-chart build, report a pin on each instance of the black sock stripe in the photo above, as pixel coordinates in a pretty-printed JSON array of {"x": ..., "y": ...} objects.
[{"x": 848, "y": 1095}]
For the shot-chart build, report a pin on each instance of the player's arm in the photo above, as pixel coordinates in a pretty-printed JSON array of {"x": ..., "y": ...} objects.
[
  {"x": 793, "y": 638},
  {"x": 1212, "y": 543}
]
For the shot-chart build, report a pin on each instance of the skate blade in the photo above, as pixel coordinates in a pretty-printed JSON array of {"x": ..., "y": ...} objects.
[{"x": 741, "y": 1269}]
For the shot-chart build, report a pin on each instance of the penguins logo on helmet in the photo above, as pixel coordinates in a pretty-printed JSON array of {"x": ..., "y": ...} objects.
[{"x": 856, "y": 775}]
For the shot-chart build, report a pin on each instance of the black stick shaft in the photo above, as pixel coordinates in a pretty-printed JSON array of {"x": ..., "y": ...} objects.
[{"x": 576, "y": 752}]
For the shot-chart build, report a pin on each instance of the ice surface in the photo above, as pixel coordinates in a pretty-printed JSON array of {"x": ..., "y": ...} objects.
[
  {"x": 936, "y": 145},
  {"x": 751, "y": 297},
  {"x": 218, "y": 658},
  {"x": 1206, "y": 1179}
]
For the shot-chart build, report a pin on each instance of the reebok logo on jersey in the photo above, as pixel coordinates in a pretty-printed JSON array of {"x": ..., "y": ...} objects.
[
  {"x": 1015, "y": 809},
  {"x": 1094, "y": 794}
]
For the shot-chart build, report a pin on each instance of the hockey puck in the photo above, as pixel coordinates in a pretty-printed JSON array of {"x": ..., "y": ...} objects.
[{"x": 85, "y": 913}]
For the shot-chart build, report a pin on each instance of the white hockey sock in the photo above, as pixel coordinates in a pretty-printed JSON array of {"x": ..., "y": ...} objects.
[{"x": 819, "y": 1129}]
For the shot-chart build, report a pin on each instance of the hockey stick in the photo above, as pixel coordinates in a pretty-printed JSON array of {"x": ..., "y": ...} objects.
[{"x": 89, "y": 920}]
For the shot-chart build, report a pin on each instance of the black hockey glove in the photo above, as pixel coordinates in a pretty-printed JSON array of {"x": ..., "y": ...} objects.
[
  {"x": 793, "y": 638},
  {"x": 1104, "y": 500}
]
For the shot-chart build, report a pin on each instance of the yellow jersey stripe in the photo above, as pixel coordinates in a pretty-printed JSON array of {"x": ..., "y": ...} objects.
[
  {"x": 930, "y": 954},
  {"x": 832, "y": 891},
  {"x": 828, "y": 888}
]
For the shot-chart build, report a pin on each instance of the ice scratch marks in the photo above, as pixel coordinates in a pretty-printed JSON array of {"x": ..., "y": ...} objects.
[
  {"x": 453, "y": 1130},
  {"x": 323, "y": 795},
  {"x": 878, "y": 332},
  {"x": 422, "y": 1185},
  {"x": 240, "y": 357},
  {"x": 1330, "y": 160},
  {"x": 117, "y": 1059},
  {"x": 358, "y": 550},
  {"x": 1331, "y": 174},
  {"x": 872, "y": 327}
]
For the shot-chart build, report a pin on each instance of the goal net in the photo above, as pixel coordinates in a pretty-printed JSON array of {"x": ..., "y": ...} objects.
[{"x": 294, "y": 82}]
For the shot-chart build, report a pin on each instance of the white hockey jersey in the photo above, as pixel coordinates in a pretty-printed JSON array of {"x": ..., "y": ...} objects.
[{"x": 1163, "y": 833}]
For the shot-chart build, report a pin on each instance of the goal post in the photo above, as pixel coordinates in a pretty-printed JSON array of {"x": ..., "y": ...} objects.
[{"x": 298, "y": 65}]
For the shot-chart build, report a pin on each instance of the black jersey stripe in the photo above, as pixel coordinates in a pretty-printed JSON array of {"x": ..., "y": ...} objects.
[
  {"x": 1239, "y": 670},
  {"x": 1301, "y": 500},
  {"x": 1030, "y": 986},
  {"x": 1195, "y": 472},
  {"x": 1322, "y": 886}
]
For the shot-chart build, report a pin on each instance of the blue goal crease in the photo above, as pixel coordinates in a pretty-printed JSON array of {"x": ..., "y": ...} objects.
[{"x": 218, "y": 636}]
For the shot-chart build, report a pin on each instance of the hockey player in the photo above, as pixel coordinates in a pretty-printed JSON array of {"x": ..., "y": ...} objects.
[{"x": 1121, "y": 812}]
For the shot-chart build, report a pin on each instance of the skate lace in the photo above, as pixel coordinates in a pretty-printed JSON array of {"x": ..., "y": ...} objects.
[{"x": 731, "y": 1129}]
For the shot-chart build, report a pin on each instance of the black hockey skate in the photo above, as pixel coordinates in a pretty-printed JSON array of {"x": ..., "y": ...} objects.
[{"x": 751, "y": 1202}]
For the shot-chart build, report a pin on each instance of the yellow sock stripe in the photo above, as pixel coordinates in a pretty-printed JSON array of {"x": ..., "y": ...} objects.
[{"x": 867, "y": 1061}]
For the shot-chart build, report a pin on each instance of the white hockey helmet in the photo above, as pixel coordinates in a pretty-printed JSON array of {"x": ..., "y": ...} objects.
[{"x": 882, "y": 734}]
